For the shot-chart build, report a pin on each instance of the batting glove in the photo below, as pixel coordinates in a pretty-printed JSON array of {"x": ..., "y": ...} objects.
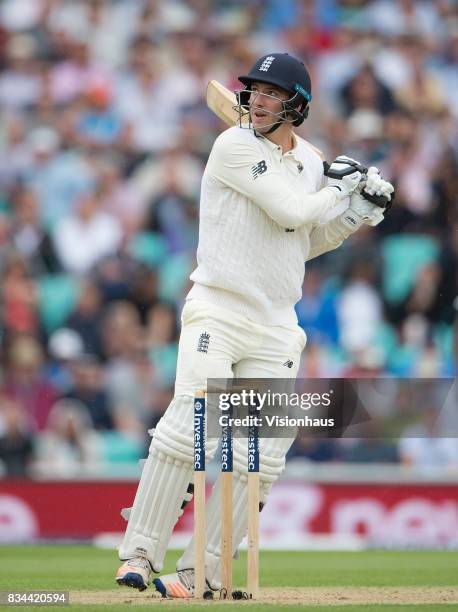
[
  {"x": 376, "y": 185},
  {"x": 344, "y": 175},
  {"x": 362, "y": 211}
]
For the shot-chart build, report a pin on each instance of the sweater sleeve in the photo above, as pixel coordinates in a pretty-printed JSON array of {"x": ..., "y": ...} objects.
[
  {"x": 328, "y": 236},
  {"x": 239, "y": 164}
]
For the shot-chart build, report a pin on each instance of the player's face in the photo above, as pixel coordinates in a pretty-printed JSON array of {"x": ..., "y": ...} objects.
[{"x": 265, "y": 102}]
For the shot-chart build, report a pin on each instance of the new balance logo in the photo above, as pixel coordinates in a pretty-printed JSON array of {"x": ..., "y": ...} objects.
[
  {"x": 202, "y": 345},
  {"x": 289, "y": 229},
  {"x": 288, "y": 363},
  {"x": 350, "y": 220},
  {"x": 266, "y": 64},
  {"x": 259, "y": 168},
  {"x": 300, "y": 167}
]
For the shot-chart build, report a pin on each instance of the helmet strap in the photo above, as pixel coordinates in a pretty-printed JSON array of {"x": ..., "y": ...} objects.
[{"x": 275, "y": 126}]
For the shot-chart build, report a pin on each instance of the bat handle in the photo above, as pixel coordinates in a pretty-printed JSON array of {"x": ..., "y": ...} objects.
[{"x": 380, "y": 201}]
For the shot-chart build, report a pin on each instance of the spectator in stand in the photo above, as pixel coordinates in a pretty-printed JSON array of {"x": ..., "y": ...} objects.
[
  {"x": 372, "y": 445},
  {"x": 88, "y": 389},
  {"x": 359, "y": 309},
  {"x": 70, "y": 77},
  {"x": 416, "y": 354},
  {"x": 194, "y": 68},
  {"x": 5, "y": 239},
  {"x": 424, "y": 445},
  {"x": 87, "y": 317},
  {"x": 19, "y": 297},
  {"x": 169, "y": 185},
  {"x": 119, "y": 196},
  {"x": 421, "y": 93},
  {"x": 114, "y": 275},
  {"x": 337, "y": 64},
  {"x": 24, "y": 383},
  {"x": 99, "y": 126},
  {"x": 396, "y": 18},
  {"x": 69, "y": 447},
  {"x": 446, "y": 71},
  {"x": 121, "y": 330},
  {"x": 20, "y": 15},
  {"x": 20, "y": 82},
  {"x": 106, "y": 26},
  {"x": 410, "y": 149},
  {"x": 316, "y": 310},
  {"x": 16, "y": 441},
  {"x": 64, "y": 347},
  {"x": 144, "y": 291},
  {"x": 83, "y": 238},
  {"x": 17, "y": 157},
  {"x": 162, "y": 327},
  {"x": 57, "y": 177},
  {"x": 365, "y": 137},
  {"x": 425, "y": 298},
  {"x": 29, "y": 236},
  {"x": 162, "y": 341},
  {"x": 131, "y": 385},
  {"x": 366, "y": 92},
  {"x": 145, "y": 101},
  {"x": 313, "y": 449}
]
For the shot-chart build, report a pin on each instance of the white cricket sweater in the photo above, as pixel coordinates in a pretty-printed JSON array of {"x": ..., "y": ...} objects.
[{"x": 259, "y": 224}]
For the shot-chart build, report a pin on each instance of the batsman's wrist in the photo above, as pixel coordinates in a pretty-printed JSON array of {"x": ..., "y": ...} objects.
[
  {"x": 336, "y": 192},
  {"x": 351, "y": 220}
]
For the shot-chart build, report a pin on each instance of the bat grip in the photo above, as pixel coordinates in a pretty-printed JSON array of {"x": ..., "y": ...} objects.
[{"x": 380, "y": 201}]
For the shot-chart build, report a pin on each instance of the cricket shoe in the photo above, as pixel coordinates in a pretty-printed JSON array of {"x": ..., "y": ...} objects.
[
  {"x": 134, "y": 573},
  {"x": 179, "y": 585}
]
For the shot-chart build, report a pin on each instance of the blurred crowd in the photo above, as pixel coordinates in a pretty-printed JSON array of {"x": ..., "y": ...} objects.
[
  {"x": 104, "y": 135},
  {"x": 392, "y": 421}
]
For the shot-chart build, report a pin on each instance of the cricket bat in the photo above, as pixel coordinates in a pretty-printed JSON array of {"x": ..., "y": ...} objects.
[{"x": 222, "y": 101}]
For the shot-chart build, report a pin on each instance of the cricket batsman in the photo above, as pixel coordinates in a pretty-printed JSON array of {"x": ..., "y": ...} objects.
[{"x": 265, "y": 192}]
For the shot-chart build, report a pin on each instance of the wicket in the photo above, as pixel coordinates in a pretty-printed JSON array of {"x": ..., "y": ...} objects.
[
  {"x": 199, "y": 494},
  {"x": 226, "y": 505}
]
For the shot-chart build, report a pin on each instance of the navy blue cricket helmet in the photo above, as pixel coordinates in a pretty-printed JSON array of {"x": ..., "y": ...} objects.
[{"x": 287, "y": 72}]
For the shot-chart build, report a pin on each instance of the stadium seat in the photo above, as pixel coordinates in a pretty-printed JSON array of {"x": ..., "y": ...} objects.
[
  {"x": 148, "y": 247},
  {"x": 173, "y": 277},
  {"x": 403, "y": 256},
  {"x": 57, "y": 298}
]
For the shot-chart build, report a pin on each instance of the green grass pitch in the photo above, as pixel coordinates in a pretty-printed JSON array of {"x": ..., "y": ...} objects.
[{"x": 83, "y": 568}]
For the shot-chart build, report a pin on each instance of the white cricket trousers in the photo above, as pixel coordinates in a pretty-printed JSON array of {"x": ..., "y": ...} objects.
[{"x": 218, "y": 343}]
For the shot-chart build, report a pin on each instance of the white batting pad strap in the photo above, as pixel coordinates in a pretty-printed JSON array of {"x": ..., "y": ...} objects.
[
  {"x": 125, "y": 513},
  {"x": 164, "y": 483},
  {"x": 174, "y": 434},
  {"x": 172, "y": 443}
]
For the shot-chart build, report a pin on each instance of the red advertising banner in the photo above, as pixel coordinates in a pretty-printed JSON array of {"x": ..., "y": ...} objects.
[{"x": 379, "y": 514}]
